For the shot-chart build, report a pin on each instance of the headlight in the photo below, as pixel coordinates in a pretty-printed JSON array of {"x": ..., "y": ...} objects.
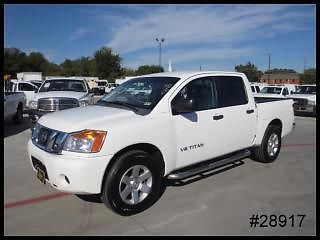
[
  {"x": 33, "y": 104},
  {"x": 86, "y": 141},
  {"x": 310, "y": 102},
  {"x": 83, "y": 103}
]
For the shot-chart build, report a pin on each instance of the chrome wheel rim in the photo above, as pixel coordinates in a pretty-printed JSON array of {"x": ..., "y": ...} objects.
[
  {"x": 135, "y": 184},
  {"x": 273, "y": 144}
]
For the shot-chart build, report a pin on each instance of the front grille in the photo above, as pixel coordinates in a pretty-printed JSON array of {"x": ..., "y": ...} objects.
[
  {"x": 48, "y": 139},
  {"x": 300, "y": 101},
  {"x": 55, "y": 104},
  {"x": 36, "y": 163}
]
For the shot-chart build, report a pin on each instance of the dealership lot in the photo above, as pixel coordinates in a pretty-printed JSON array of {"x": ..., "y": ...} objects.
[{"x": 216, "y": 203}]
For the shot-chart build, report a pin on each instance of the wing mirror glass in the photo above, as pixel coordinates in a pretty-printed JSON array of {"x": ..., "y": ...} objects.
[{"x": 182, "y": 105}]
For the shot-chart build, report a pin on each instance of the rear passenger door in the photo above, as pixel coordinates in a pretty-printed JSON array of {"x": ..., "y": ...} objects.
[{"x": 236, "y": 111}]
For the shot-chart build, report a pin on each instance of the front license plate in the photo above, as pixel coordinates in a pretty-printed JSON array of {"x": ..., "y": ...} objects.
[{"x": 41, "y": 175}]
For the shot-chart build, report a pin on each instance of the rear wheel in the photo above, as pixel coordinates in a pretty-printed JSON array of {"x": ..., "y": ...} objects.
[
  {"x": 18, "y": 117},
  {"x": 270, "y": 146},
  {"x": 132, "y": 184}
]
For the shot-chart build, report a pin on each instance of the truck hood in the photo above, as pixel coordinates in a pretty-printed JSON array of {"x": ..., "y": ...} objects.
[
  {"x": 69, "y": 94},
  {"x": 311, "y": 97},
  {"x": 79, "y": 118}
]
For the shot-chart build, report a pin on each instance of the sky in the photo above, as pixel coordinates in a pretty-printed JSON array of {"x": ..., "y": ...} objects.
[{"x": 206, "y": 36}]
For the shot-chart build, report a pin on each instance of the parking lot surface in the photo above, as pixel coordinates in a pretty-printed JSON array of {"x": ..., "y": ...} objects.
[{"x": 214, "y": 203}]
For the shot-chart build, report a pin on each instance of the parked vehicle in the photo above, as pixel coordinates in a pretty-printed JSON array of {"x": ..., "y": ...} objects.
[
  {"x": 28, "y": 88},
  {"x": 181, "y": 124},
  {"x": 37, "y": 83},
  {"x": 305, "y": 99},
  {"x": 14, "y": 103},
  {"x": 59, "y": 94},
  {"x": 273, "y": 92},
  {"x": 255, "y": 88},
  {"x": 102, "y": 87},
  {"x": 112, "y": 86}
]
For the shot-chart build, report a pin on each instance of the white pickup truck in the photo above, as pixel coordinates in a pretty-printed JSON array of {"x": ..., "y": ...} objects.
[
  {"x": 59, "y": 94},
  {"x": 130, "y": 140},
  {"x": 14, "y": 103},
  {"x": 305, "y": 99}
]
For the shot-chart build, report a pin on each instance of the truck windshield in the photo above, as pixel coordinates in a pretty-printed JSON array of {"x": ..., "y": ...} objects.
[
  {"x": 273, "y": 90},
  {"x": 139, "y": 93},
  {"x": 63, "y": 85},
  {"x": 306, "y": 90}
]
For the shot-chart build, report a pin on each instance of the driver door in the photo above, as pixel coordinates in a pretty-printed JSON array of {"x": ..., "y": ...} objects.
[{"x": 199, "y": 136}]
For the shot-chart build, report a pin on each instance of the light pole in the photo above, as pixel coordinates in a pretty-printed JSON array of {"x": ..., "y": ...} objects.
[
  {"x": 269, "y": 68},
  {"x": 160, "y": 41}
]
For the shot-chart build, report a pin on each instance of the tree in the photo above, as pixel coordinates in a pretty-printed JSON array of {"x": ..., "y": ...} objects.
[
  {"x": 250, "y": 70},
  {"x": 309, "y": 76},
  {"x": 148, "y": 69},
  {"x": 36, "y": 62},
  {"x": 107, "y": 64},
  {"x": 14, "y": 61}
]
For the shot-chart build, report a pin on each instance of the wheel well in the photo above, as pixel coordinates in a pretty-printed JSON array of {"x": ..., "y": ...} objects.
[
  {"x": 149, "y": 148},
  {"x": 276, "y": 122}
]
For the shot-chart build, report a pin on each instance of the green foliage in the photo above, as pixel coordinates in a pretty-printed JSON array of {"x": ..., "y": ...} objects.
[
  {"x": 14, "y": 61},
  {"x": 309, "y": 76},
  {"x": 108, "y": 64},
  {"x": 251, "y": 71},
  {"x": 148, "y": 69}
]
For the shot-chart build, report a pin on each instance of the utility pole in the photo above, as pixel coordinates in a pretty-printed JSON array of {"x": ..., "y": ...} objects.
[
  {"x": 160, "y": 41},
  {"x": 305, "y": 64}
]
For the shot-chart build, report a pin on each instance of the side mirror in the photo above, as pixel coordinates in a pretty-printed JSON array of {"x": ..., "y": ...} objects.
[{"x": 183, "y": 106}]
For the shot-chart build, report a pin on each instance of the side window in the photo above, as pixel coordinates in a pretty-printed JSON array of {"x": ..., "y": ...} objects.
[
  {"x": 285, "y": 92},
  {"x": 252, "y": 89},
  {"x": 231, "y": 91},
  {"x": 201, "y": 91},
  {"x": 25, "y": 87},
  {"x": 257, "y": 89}
]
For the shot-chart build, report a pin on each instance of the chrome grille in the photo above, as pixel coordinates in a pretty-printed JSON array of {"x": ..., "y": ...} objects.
[
  {"x": 48, "y": 139},
  {"x": 55, "y": 104}
]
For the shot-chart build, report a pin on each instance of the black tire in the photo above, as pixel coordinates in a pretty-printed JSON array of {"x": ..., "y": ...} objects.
[
  {"x": 18, "y": 117},
  {"x": 114, "y": 183},
  {"x": 260, "y": 153}
]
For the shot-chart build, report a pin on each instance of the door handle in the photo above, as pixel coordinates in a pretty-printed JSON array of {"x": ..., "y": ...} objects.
[
  {"x": 217, "y": 117},
  {"x": 250, "y": 111}
]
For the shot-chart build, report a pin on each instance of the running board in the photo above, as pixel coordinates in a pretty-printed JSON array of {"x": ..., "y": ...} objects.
[{"x": 191, "y": 172}]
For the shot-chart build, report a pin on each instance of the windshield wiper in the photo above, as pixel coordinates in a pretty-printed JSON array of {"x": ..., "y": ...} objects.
[{"x": 119, "y": 103}]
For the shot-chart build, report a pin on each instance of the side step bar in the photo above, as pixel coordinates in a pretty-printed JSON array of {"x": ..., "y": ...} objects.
[{"x": 191, "y": 172}]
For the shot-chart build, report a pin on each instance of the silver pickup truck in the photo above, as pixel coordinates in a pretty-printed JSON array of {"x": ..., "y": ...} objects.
[{"x": 14, "y": 103}]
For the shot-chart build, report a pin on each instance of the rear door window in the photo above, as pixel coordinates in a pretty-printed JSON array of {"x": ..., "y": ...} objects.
[{"x": 231, "y": 91}]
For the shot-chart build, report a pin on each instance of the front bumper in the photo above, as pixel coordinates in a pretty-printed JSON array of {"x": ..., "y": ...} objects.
[{"x": 70, "y": 173}]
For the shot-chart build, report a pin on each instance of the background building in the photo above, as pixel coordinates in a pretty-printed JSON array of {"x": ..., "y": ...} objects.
[{"x": 280, "y": 78}]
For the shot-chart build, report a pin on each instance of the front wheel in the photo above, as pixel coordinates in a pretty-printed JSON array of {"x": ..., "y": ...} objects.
[
  {"x": 270, "y": 146},
  {"x": 132, "y": 184}
]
